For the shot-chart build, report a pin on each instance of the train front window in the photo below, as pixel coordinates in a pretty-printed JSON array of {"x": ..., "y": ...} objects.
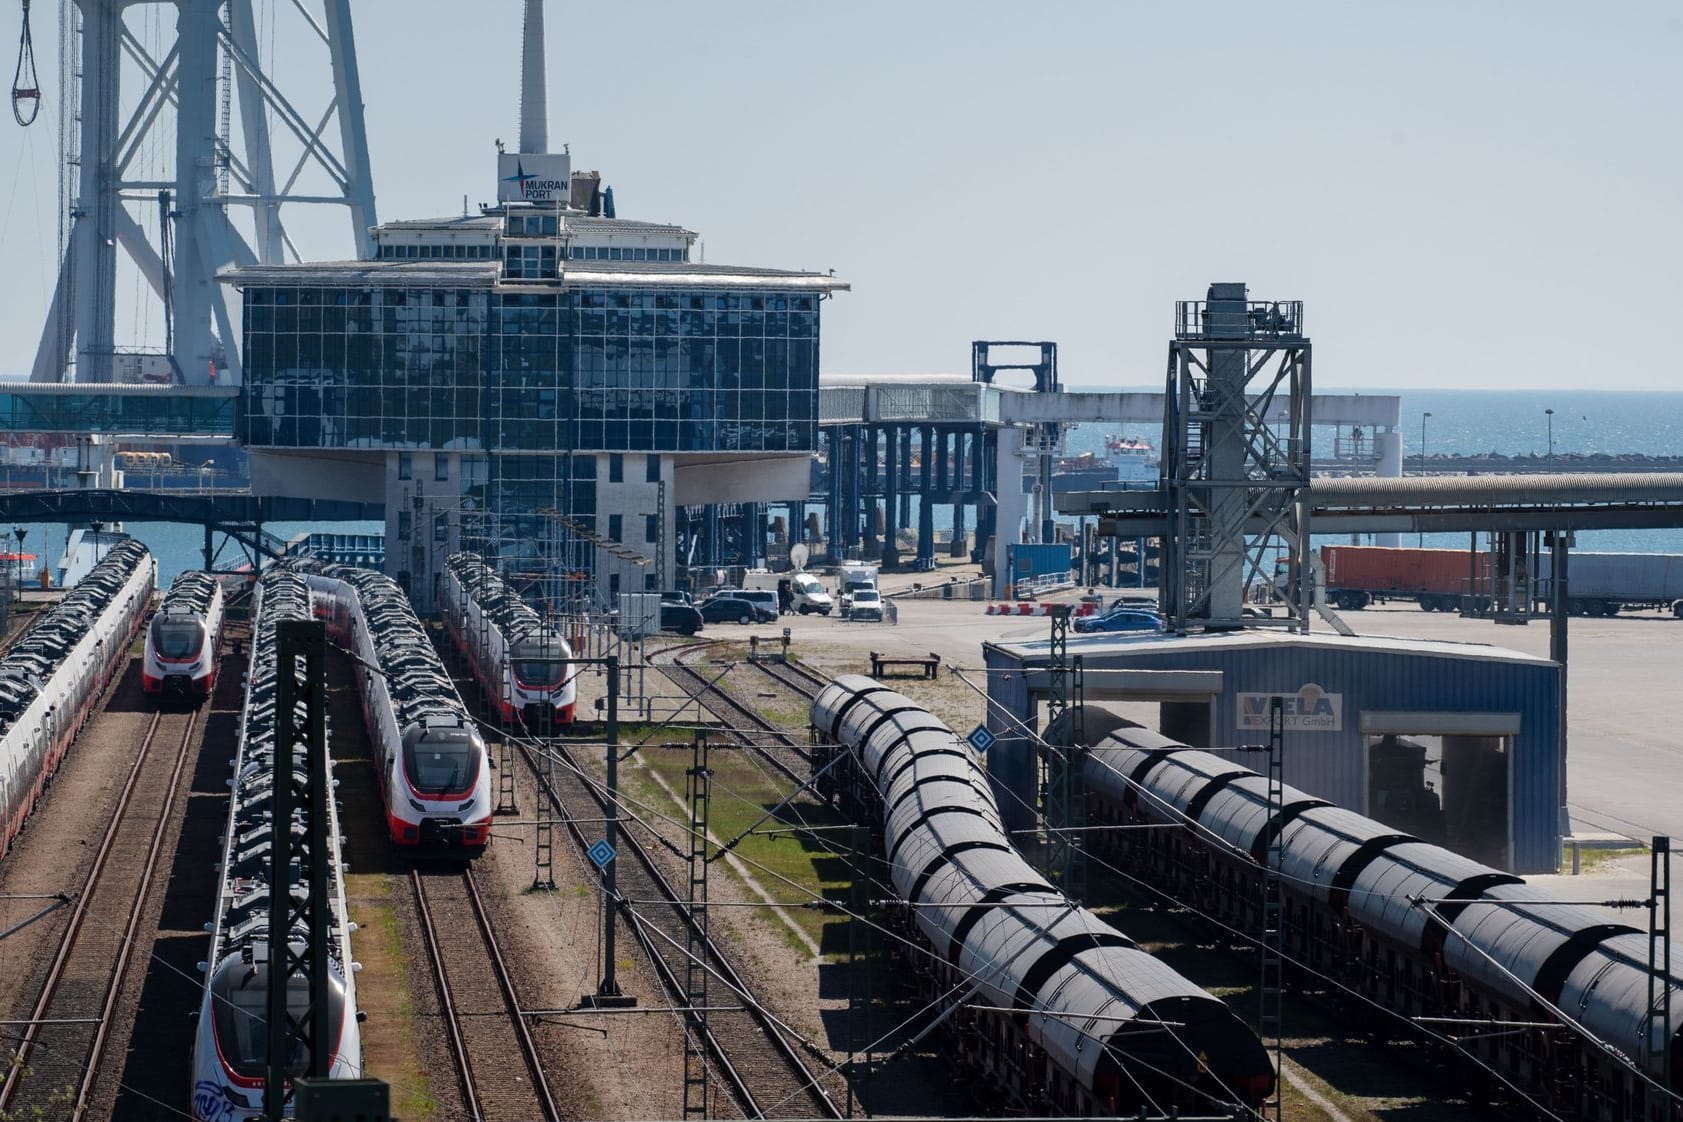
[
  {"x": 534, "y": 665},
  {"x": 175, "y": 639},
  {"x": 241, "y": 1003},
  {"x": 441, "y": 767}
]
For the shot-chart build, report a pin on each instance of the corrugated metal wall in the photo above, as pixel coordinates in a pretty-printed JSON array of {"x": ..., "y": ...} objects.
[{"x": 1333, "y": 764}]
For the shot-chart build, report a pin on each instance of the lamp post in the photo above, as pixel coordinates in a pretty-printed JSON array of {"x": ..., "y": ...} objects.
[
  {"x": 1423, "y": 418},
  {"x": 19, "y": 533},
  {"x": 1549, "y": 413}
]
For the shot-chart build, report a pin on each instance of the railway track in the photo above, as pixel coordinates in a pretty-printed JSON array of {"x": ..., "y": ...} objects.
[
  {"x": 482, "y": 1017},
  {"x": 794, "y": 676},
  {"x": 784, "y": 752},
  {"x": 59, "y": 1052},
  {"x": 763, "y": 1069}
]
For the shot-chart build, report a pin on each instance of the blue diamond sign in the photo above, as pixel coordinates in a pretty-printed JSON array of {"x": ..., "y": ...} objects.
[
  {"x": 601, "y": 853},
  {"x": 981, "y": 739}
]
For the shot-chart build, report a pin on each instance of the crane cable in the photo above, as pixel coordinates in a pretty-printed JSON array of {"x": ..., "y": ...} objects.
[{"x": 26, "y": 84}]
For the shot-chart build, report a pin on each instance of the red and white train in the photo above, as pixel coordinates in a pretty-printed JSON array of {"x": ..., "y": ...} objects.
[
  {"x": 435, "y": 775},
  {"x": 519, "y": 660},
  {"x": 230, "y": 1058},
  {"x": 183, "y": 639},
  {"x": 52, "y": 678}
]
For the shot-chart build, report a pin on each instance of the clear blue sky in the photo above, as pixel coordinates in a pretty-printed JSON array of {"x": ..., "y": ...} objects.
[{"x": 1465, "y": 195}]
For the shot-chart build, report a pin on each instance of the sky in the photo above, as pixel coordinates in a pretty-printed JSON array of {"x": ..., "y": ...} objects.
[{"x": 1464, "y": 195}]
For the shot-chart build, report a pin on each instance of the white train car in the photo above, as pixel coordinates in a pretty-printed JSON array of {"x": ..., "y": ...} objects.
[
  {"x": 183, "y": 639},
  {"x": 51, "y": 680},
  {"x": 516, "y": 657},
  {"x": 435, "y": 775},
  {"x": 230, "y": 1046}
]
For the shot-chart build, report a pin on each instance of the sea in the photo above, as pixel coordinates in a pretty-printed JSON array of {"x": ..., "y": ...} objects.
[
  {"x": 1511, "y": 423},
  {"x": 1468, "y": 422}
]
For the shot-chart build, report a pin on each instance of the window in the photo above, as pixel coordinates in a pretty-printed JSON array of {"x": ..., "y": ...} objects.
[
  {"x": 405, "y": 466},
  {"x": 616, "y": 468},
  {"x": 441, "y": 467},
  {"x": 440, "y": 528},
  {"x": 651, "y": 469},
  {"x": 403, "y": 526},
  {"x": 613, "y": 585},
  {"x": 616, "y": 527},
  {"x": 651, "y": 528}
]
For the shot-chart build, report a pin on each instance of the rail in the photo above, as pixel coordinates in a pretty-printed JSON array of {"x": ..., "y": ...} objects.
[
  {"x": 728, "y": 1035},
  {"x": 490, "y": 1041},
  {"x": 60, "y": 1061}
]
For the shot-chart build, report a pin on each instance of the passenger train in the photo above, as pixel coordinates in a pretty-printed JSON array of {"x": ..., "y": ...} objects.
[
  {"x": 182, "y": 641},
  {"x": 435, "y": 776},
  {"x": 52, "y": 678},
  {"x": 230, "y": 1045},
  {"x": 517, "y": 658},
  {"x": 1411, "y": 927},
  {"x": 1058, "y": 1012}
]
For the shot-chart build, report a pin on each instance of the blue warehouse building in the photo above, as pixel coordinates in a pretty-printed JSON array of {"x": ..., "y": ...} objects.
[
  {"x": 1457, "y": 743},
  {"x": 572, "y": 392}
]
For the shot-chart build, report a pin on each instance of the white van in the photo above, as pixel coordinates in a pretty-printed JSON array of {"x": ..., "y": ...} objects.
[{"x": 805, "y": 593}]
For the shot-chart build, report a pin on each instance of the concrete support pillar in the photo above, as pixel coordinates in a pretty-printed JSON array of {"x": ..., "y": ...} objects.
[
  {"x": 890, "y": 498},
  {"x": 1387, "y": 447},
  {"x": 1010, "y": 504}
]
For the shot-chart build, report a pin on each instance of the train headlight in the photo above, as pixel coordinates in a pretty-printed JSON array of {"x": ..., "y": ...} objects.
[
  {"x": 418, "y": 807},
  {"x": 467, "y": 806}
]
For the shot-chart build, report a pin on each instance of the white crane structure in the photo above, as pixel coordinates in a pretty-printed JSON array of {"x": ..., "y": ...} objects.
[{"x": 246, "y": 151}]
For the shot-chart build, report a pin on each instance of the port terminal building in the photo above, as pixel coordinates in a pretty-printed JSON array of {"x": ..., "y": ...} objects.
[{"x": 542, "y": 381}]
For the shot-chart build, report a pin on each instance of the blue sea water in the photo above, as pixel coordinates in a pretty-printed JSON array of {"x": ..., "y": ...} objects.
[{"x": 1513, "y": 423}]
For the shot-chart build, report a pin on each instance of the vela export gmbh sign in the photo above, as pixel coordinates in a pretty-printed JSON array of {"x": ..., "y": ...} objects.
[{"x": 1310, "y": 709}]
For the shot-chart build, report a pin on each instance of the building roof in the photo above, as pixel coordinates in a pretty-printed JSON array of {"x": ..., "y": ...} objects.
[{"x": 485, "y": 274}]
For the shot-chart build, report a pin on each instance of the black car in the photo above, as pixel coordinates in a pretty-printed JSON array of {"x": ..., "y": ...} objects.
[
  {"x": 680, "y": 618},
  {"x": 734, "y": 609}
]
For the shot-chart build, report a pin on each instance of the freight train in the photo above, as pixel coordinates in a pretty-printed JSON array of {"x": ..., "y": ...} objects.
[
  {"x": 1551, "y": 998},
  {"x": 1057, "y": 1012},
  {"x": 182, "y": 641},
  {"x": 51, "y": 678},
  {"x": 435, "y": 775},
  {"x": 230, "y": 1043},
  {"x": 517, "y": 658}
]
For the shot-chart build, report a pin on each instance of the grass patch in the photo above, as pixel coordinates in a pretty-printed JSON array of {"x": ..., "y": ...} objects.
[
  {"x": 389, "y": 1047},
  {"x": 1592, "y": 858},
  {"x": 793, "y": 867}
]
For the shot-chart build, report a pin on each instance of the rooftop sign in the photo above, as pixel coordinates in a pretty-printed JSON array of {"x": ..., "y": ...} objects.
[{"x": 525, "y": 177}]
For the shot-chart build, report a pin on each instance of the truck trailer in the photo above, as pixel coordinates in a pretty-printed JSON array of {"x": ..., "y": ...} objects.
[
  {"x": 1355, "y": 576},
  {"x": 1597, "y": 584},
  {"x": 1603, "y": 584}
]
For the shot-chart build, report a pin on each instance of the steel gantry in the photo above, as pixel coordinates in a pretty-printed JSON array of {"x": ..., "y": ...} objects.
[
  {"x": 1237, "y": 481},
  {"x": 112, "y": 182}
]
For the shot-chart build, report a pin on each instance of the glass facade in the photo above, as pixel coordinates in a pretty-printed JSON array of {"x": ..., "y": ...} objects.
[
  {"x": 586, "y": 369},
  {"x": 156, "y": 413}
]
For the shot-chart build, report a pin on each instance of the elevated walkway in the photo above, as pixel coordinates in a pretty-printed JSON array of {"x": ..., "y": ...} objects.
[
  {"x": 152, "y": 413},
  {"x": 223, "y": 508},
  {"x": 1435, "y": 504}
]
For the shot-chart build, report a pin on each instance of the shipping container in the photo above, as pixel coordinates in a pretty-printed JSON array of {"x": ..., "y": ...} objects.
[
  {"x": 1037, "y": 560},
  {"x": 1602, "y": 584},
  {"x": 1356, "y": 575}
]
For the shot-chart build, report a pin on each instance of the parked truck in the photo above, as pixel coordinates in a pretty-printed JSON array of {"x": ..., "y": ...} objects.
[
  {"x": 1598, "y": 584},
  {"x": 1603, "y": 584},
  {"x": 1354, "y": 576},
  {"x": 796, "y": 592},
  {"x": 853, "y": 577}
]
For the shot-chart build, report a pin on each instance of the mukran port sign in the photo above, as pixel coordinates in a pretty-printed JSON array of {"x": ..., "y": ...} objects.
[{"x": 527, "y": 177}]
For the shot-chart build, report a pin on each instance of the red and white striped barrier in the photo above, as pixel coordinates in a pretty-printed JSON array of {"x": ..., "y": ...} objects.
[{"x": 1033, "y": 608}]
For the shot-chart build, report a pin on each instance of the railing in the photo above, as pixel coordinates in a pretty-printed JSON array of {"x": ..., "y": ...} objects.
[{"x": 1224, "y": 319}]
